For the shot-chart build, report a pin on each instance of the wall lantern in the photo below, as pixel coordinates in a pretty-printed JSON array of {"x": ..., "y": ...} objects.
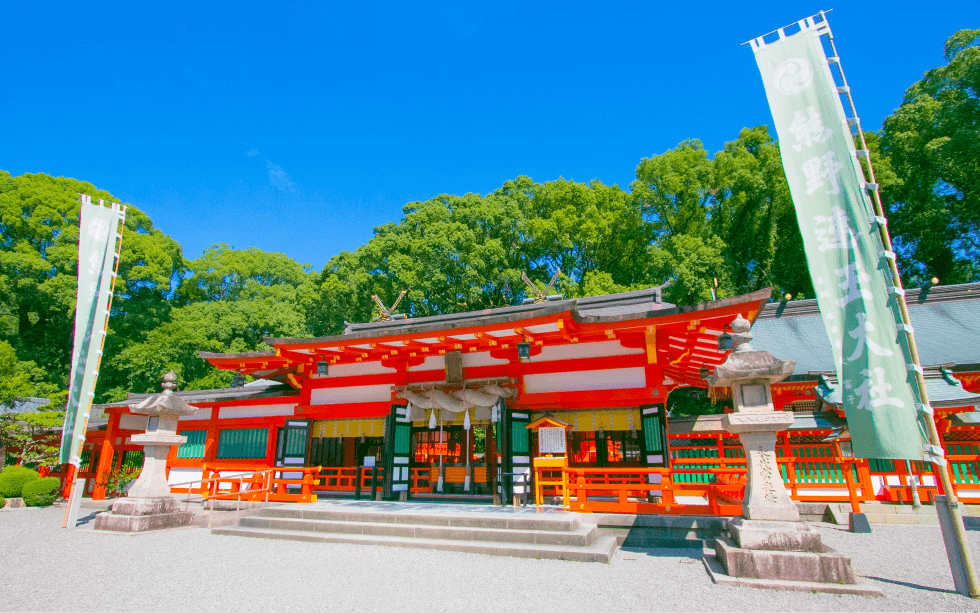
[
  {"x": 322, "y": 368},
  {"x": 524, "y": 352},
  {"x": 726, "y": 342}
]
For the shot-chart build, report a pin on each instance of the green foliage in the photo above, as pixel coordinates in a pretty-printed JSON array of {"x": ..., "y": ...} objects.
[
  {"x": 693, "y": 401},
  {"x": 34, "y": 435},
  {"x": 117, "y": 482},
  {"x": 728, "y": 218},
  {"x": 41, "y": 492},
  {"x": 932, "y": 147},
  {"x": 13, "y": 479},
  {"x": 3, "y": 502}
]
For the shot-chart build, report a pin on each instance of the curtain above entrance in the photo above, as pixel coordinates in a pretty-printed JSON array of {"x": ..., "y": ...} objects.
[
  {"x": 342, "y": 428},
  {"x": 607, "y": 419}
]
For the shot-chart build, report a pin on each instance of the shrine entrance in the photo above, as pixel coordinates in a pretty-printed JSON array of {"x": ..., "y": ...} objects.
[{"x": 464, "y": 459}]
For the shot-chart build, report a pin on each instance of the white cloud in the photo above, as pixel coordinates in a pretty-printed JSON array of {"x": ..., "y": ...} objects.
[{"x": 279, "y": 178}]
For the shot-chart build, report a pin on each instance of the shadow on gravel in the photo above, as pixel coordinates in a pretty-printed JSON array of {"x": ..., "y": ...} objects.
[
  {"x": 662, "y": 552},
  {"x": 84, "y": 520},
  {"x": 915, "y": 586}
]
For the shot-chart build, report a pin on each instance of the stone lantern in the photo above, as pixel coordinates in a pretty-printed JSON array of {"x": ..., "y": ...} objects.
[
  {"x": 769, "y": 541},
  {"x": 148, "y": 504}
]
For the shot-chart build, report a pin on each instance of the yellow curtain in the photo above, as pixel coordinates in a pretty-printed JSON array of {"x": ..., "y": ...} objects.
[
  {"x": 607, "y": 419},
  {"x": 334, "y": 428}
]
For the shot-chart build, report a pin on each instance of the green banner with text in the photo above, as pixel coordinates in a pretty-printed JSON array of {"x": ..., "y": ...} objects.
[
  {"x": 843, "y": 248},
  {"x": 97, "y": 235}
]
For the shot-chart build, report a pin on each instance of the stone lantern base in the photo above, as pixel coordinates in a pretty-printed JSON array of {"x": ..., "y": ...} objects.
[
  {"x": 784, "y": 550},
  {"x": 142, "y": 514}
]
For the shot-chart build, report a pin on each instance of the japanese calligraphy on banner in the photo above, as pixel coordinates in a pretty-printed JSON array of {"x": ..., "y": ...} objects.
[
  {"x": 97, "y": 237},
  {"x": 843, "y": 247}
]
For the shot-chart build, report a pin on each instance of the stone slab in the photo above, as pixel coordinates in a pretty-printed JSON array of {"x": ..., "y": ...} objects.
[
  {"x": 827, "y": 566},
  {"x": 601, "y": 550},
  {"x": 145, "y": 506},
  {"x": 15, "y": 503},
  {"x": 858, "y": 523},
  {"x": 718, "y": 576},
  {"x": 142, "y": 523},
  {"x": 774, "y": 535}
]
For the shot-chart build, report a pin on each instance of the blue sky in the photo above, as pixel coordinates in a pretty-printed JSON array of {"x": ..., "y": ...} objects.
[{"x": 298, "y": 127}]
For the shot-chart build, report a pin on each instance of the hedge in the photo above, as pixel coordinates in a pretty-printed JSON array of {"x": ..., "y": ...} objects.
[
  {"x": 41, "y": 493},
  {"x": 13, "y": 479}
]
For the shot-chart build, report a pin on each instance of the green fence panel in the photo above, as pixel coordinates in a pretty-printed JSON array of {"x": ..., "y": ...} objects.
[
  {"x": 243, "y": 443},
  {"x": 194, "y": 447}
]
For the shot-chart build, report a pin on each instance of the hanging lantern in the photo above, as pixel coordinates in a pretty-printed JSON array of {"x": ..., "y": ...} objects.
[
  {"x": 726, "y": 342},
  {"x": 322, "y": 368},
  {"x": 524, "y": 352}
]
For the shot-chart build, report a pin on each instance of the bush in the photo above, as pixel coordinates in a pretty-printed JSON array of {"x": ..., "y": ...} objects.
[
  {"x": 3, "y": 502},
  {"x": 13, "y": 479},
  {"x": 42, "y": 492}
]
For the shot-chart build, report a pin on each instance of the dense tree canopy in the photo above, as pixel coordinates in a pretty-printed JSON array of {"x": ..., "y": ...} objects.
[
  {"x": 932, "y": 146},
  {"x": 722, "y": 222}
]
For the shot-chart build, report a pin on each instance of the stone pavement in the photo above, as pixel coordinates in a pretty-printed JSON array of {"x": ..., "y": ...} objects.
[{"x": 45, "y": 568}]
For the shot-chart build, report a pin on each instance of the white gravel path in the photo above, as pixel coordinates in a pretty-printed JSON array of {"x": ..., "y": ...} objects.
[{"x": 45, "y": 568}]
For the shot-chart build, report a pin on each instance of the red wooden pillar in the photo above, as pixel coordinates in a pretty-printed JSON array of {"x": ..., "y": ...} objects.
[
  {"x": 105, "y": 457},
  {"x": 67, "y": 479}
]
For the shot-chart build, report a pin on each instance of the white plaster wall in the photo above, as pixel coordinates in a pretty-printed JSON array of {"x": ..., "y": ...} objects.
[
  {"x": 576, "y": 351},
  {"x": 585, "y": 380},
  {"x": 201, "y": 414},
  {"x": 877, "y": 484},
  {"x": 482, "y": 358},
  {"x": 432, "y": 362},
  {"x": 359, "y": 368},
  {"x": 357, "y": 393},
  {"x": 132, "y": 422},
  {"x": 183, "y": 475},
  {"x": 268, "y": 410}
]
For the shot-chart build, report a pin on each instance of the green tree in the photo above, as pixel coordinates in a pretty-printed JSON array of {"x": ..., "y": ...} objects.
[
  {"x": 932, "y": 144},
  {"x": 38, "y": 272},
  {"x": 231, "y": 300}
]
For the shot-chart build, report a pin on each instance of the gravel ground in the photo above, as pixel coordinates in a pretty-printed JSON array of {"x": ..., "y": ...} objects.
[{"x": 45, "y": 568}]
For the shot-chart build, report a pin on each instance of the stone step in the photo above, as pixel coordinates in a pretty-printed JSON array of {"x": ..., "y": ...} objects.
[
  {"x": 501, "y": 520},
  {"x": 903, "y": 519},
  {"x": 581, "y": 536},
  {"x": 601, "y": 550},
  {"x": 661, "y": 531}
]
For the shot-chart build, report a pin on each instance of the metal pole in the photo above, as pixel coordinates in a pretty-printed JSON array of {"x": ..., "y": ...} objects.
[{"x": 958, "y": 535}]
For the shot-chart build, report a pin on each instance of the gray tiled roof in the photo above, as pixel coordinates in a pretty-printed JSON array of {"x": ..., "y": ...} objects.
[
  {"x": 625, "y": 303},
  {"x": 944, "y": 390},
  {"x": 251, "y": 391},
  {"x": 623, "y": 307},
  {"x": 946, "y": 320},
  {"x": 24, "y": 405}
]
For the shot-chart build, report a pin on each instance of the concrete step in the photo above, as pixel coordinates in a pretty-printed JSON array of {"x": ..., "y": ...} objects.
[
  {"x": 496, "y": 520},
  {"x": 601, "y": 549},
  {"x": 581, "y": 536}
]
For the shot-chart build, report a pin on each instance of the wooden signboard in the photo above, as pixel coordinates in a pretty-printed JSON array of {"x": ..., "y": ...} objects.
[{"x": 551, "y": 440}]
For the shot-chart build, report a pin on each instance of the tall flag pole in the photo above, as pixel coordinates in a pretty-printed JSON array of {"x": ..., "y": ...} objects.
[
  {"x": 99, "y": 243},
  {"x": 851, "y": 261}
]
